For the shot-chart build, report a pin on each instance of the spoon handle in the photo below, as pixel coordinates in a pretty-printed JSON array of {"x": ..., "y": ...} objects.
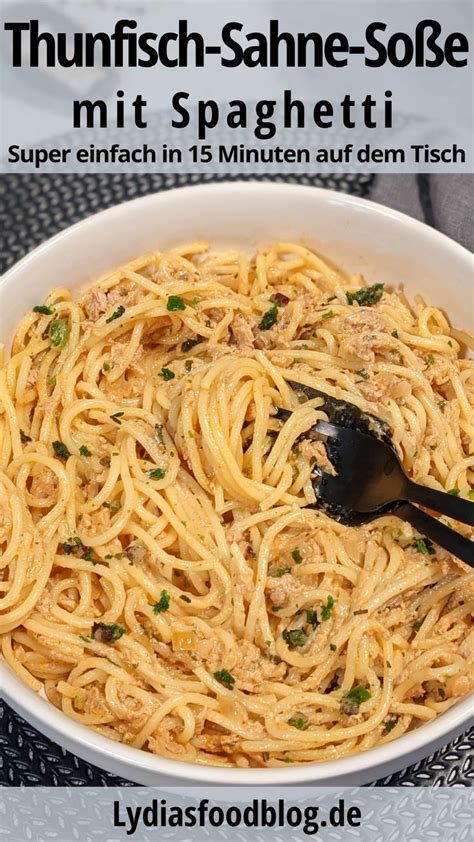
[
  {"x": 456, "y": 544},
  {"x": 440, "y": 501}
]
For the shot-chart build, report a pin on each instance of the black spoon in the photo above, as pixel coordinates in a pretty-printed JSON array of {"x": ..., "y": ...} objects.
[{"x": 370, "y": 480}]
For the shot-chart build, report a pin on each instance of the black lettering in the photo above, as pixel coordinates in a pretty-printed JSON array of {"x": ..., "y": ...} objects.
[
  {"x": 17, "y": 29},
  {"x": 181, "y": 110},
  {"x": 456, "y": 43},
  {"x": 336, "y": 42},
  {"x": 354, "y": 816},
  {"x": 381, "y": 54},
  {"x": 234, "y": 45},
  {"x": 265, "y": 128},
  {"x": 89, "y": 108}
]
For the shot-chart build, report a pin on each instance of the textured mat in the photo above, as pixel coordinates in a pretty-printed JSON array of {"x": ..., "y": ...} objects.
[{"x": 34, "y": 208}]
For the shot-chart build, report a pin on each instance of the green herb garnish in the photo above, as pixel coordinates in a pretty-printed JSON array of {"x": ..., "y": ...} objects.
[
  {"x": 113, "y": 507},
  {"x": 225, "y": 678},
  {"x": 296, "y": 556},
  {"x": 190, "y": 343},
  {"x": 61, "y": 450},
  {"x": 281, "y": 571},
  {"x": 353, "y": 699},
  {"x": 294, "y": 637},
  {"x": 367, "y": 296},
  {"x": 269, "y": 318},
  {"x": 58, "y": 333},
  {"x": 167, "y": 374},
  {"x": 185, "y": 598},
  {"x": 299, "y": 721},
  {"x": 312, "y": 618},
  {"x": 43, "y": 309},
  {"x": 389, "y": 725},
  {"x": 157, "y": 473},
  {"x": 84, "y": 451},
  {"x": 395, "y": 333},
  {"x": 116, "y": 417},
  {"x": 107, "y": 633},
  {"x": 424, "y": 546},
  {"x": 175, "y": 302},
  {"x": 332, "y": 647},
  {"x": 362, "y": 373},
  {"x": 188, "y": 365},
  {"x": 116, "y": 314},
  {"x": 163, "y": 603},
  {"x": 430, "y": 359},
  {"x": 326, "y": 609},
  {"x": 454, "y": 492}
]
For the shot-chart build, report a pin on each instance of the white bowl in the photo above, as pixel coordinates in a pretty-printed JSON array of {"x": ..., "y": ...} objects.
[{"x": 356, "y": 235}]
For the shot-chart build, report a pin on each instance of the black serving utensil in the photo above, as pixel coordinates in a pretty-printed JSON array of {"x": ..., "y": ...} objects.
[{"x": 370, "y": 481}]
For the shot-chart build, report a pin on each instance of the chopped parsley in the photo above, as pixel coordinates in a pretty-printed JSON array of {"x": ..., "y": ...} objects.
[
  {"x": 157, "y": 473},
  {"x": 312, "y": 618},
  {"x": 225, "y": 678},
  {"x": 327, "y": 314},
  {"x": 269, "y": 318},
  {"x": 430, "y": 359},
  {"x": 281, "y": 571},
  {"x": 73, "y": 546},
  {"x": 190, "y": 343},
  {"x": 454, "y": 492},
  {"x": 395, "y": 333},
  {"x": 417, "y": 625},
  {"x": 188, "y": 365},
  {"x": 296, "y": 556},
  {"x": 113, "y": 507},
  {"x": 116, "y": 314},
  {"x": 294, "y": 637},
  {"x": 105, "y": 633},
  {"x": 441, "y": 404},
  {"x": 185, "y": 598},
  {"x": 276, "y": 608},
  {"x": 106, "y": 366},
  {"x": 167, "y": 374},
  {"x": 367, "y": 296},
  {"x": 163, "y": 603},
  {"x": 353, "y": 699},
  {"x": 471, "y": 494},
  {"x": 332, "y": 647},
  {"x": 61, "y": 450},
  {"x": 24, "y": 438},
  {"x": 84, "y": 451},
  {"x": 174, "y": 303},
  {"x": 299, "y": 721},
  {"x": 389, "y": 725},
  {"x": 116, "y": 417},
  {"x": 326, "y": 609},
  {"x": 424, "y": 546},
  {"x": 362, "y": 373},
  {"x": 43, "y": 309},
  {"x": 58, "y": 333}
]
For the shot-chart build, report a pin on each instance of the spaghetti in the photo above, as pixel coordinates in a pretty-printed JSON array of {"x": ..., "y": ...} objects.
[{"x": 161, "y": 580}]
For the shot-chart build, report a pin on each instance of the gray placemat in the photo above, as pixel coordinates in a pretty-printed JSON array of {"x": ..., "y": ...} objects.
[{"x": 33, "y": 208}]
